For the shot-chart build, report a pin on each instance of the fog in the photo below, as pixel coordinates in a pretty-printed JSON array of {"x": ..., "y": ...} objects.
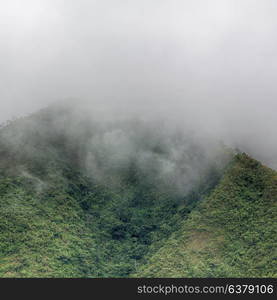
[{"x": 211, "y": 64}]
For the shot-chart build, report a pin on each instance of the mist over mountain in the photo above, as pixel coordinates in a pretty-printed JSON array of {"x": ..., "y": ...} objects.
[
  {"x": 138, "y": 138},
  {"x": 211, "y": 63},
  {"x": 85, "y": 196},
  {"x": 104, "y": 146}
]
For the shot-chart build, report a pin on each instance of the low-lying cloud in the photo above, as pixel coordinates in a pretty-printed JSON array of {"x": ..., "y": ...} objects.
[{"x": 210, "y": 64}]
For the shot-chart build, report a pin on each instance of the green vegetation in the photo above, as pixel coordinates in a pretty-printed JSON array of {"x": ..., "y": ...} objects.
[
  {"x": 70, "y": 206},
  {"x": 232, "y": 233},
  {"x": 73, "y": 228}
]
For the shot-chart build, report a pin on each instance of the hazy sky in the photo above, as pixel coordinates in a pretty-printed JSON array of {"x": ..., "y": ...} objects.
[{"x": 213, "y": 61}]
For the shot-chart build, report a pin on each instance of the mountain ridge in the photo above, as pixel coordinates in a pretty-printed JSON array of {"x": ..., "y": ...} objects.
[
  {"x": 231, "y": 234},
  {"x": 81, "y": 197}
]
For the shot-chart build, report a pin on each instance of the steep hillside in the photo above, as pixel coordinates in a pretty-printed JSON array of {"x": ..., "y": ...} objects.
[
  {"x": 232, "y": 233},
  {"x": 80, "y": 198},
  {"x": 88, "y": 197}
]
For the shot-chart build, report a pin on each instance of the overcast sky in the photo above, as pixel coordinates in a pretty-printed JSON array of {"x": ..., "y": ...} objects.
[{"x": 215, "y": 61}]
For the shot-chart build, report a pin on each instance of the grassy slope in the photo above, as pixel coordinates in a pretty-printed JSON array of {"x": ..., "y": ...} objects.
[{"x": 232, "y": 233}]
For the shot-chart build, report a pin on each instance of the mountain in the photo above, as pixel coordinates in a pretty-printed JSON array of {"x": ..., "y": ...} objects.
[
  {"x": 86, "y": 195},
  {"x": 232, "y": 233}
]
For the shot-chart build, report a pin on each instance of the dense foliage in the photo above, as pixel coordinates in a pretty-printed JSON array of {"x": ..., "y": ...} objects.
[
  {"x": 232, "y": 233},
  {"x": 79, "y": 199}
]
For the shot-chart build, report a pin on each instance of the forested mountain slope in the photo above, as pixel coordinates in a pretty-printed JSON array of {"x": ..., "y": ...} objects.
[
  {"x": 81, "y": 197},
  {"x": 232, "y": 233}
]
